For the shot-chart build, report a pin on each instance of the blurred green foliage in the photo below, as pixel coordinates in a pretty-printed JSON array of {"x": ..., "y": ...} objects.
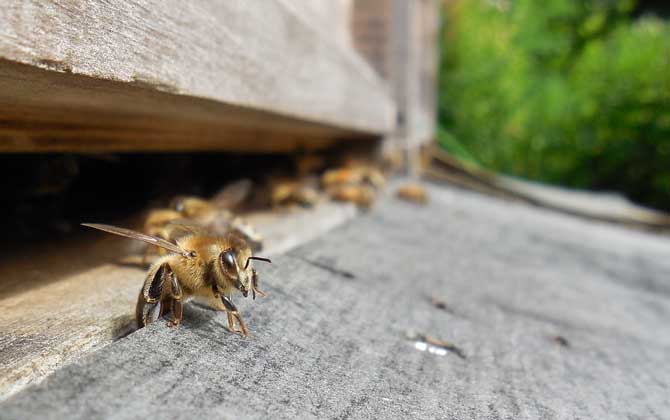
[{"x": 567, "y": 92}]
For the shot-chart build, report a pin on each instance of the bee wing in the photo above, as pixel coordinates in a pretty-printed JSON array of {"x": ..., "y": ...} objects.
[
  {"x": 139, "y": 236},
  {"x": 183, "y": 227},
  {"x": 233, "y": 194}
]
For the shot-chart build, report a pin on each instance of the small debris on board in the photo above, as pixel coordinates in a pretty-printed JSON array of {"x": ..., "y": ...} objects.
[
  {"x": 424, "y": 342},
  {"x": 440, "y": 304},
  {"x": 413, "y": 193},
  {"x": 561, "y": 341}
]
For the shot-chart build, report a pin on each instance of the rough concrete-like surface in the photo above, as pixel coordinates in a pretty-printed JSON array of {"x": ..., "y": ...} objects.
[{"x": 331, "y": 340}]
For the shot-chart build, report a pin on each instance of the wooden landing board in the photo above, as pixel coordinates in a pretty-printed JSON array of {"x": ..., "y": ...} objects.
[
  {"x": 555, "y": 317},
  {"x": 154, "y": 75},
  {"x": 60, "y": 301}
]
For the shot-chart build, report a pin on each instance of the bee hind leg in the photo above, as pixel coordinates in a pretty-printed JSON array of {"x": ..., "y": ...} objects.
[
  {"x": 149, "y": 307},
  {"x": 145, "y": 312},
  {"x": 177, "y": 305}
]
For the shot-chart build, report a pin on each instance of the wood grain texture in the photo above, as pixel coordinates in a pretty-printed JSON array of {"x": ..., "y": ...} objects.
[
  {"x": 399, "y": 39},
  {"x": 42, "y": 111},
  {"x": 416, "y": 64},
  {"x": 184, "y": 65},
  {"x": 326, "y": 344},
  {"x": 60, "y": 301}
]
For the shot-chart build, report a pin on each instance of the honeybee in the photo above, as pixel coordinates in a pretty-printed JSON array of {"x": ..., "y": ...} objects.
[
  {"x": 357, "y": 182},
  {"x": 354, "y": 173},
  {"x": 414, "y": 193},
  {"x": 157, "y": 220},
  {"x": 361, "y": 195},
  {"x": 198, "y": 265},
  {"x": 284, "y": 191},
  {"x": 192, "y": 206}
]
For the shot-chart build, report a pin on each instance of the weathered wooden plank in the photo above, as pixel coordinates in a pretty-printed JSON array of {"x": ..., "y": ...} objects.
[
  {"x": 259, "y": 67},
  {"x": 562, "y": 319},
  {"x": 49, "y": 111},
  {"x": 60, "y": 301}
]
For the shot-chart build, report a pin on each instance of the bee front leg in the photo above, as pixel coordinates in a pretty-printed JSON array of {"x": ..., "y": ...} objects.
[
  {"x": 149, "y": 306},
  {"x": 254, "y": 285},
  {"x": 233, "y": 314}
]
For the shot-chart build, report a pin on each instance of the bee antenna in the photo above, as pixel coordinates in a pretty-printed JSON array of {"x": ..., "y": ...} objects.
[{"x": 267, "y": 260}]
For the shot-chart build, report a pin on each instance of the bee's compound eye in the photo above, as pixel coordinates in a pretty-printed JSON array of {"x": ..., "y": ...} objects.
[{"x": 228, "y": 260}]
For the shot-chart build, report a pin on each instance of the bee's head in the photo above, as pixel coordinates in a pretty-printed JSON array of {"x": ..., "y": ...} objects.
[
  {"x": 235, "y": 268},
  {"x": 232, "y": 263}
]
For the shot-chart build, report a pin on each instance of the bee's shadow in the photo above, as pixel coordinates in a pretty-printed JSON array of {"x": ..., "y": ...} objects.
[
  {"x": 196, "y": 315},
  {"x": 123, "y": 326}
]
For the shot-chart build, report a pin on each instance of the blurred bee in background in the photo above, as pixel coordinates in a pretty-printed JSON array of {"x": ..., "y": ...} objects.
[
  {"x": 286, "y": 191},
  {"x": 200, "y": 265},
  {"x": 357, "y": 181},
  {"x": 414, "y": 193},
  {"x": 214, "y": 214},
  {"x": 308, "y": 163},
  {"x": 157, "y": 221},
  {"x": 361, "y": 195},
  {"x": 354, "y": 173}
]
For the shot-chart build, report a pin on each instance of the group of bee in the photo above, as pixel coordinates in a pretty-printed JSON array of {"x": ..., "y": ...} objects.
[
  {"x": 206, "y": 252},
  {"x": 354, "y": 180}
]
